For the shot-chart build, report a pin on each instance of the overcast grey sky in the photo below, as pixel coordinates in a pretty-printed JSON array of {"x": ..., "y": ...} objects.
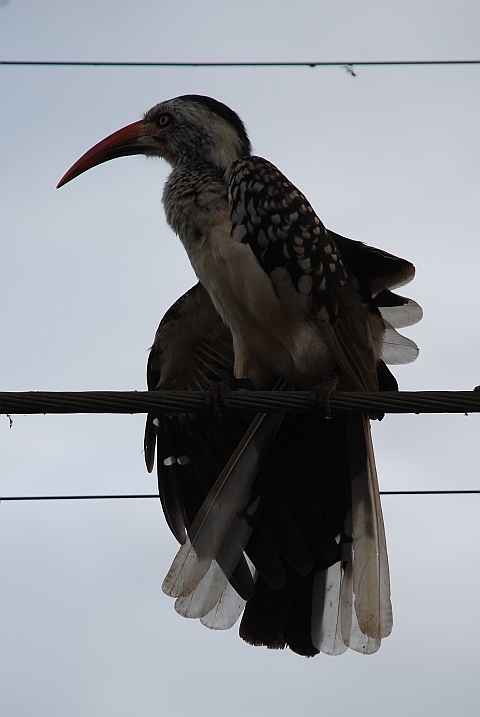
[{"x": 390, "y": 157}]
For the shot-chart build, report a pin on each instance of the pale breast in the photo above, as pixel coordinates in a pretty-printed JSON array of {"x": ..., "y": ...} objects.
[{"x": 269, "y": 342}]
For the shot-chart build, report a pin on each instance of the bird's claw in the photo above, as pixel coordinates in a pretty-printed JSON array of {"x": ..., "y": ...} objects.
[
  {"x": 320, "y": 396},
  {"x": 216, "y": 396}
]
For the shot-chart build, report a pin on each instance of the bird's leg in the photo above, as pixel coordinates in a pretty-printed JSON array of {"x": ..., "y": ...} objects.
[
  {"x": 216, "y": 395},
  {"x": 320, "y": 395}
]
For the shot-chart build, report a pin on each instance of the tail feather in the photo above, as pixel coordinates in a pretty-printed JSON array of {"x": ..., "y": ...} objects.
[
  {"x": 297, "y": 630},
  {"x": 326, "y": 614},
  {"x": 263, "y": 553},
  {"x": 226, "y": 611},
  {"x": 266, "y": 613},
  {"x": 371, "y": 578},
  {"x": 220, "y": 511},
  {"x": 205, "y": 595},
  {"x": 290, "y": 543}
]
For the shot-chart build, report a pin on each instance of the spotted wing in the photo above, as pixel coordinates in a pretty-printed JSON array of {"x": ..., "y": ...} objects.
[{"x": 307, "y": 266}]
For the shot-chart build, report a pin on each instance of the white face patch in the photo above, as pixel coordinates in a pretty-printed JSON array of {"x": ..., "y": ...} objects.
[
  {"x": 156, "y": 422},
  {"x": 221, "y": 143},
  {"x": 183, "y": 460},
  {"x": 170, "y": 461}
]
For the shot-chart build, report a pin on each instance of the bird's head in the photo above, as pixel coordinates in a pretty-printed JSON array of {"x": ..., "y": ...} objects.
[{"x": 185, "y": 129}]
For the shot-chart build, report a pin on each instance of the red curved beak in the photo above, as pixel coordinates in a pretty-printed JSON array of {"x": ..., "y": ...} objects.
[{"x": 132, "y": 139}]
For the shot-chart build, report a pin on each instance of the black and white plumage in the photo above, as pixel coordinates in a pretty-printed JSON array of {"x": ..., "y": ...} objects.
[{"x": 277, "y": 516}]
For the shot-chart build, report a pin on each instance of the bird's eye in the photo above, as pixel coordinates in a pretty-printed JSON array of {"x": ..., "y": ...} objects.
[{"x": 163, "y": 120}]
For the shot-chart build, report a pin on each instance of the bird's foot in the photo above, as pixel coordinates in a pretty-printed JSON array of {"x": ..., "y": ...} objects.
[
  {"x": 216, "y": 396},
  {"x": 320, "y": 395}
]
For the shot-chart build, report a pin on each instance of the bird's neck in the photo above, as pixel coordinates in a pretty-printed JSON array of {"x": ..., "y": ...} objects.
[{"x": 193, "y": 196}]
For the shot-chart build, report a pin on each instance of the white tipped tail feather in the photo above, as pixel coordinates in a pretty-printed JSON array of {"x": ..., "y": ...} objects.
[
  {"x": 351, "y": 599},
  {"x": 219, "y": 529},
  {"x": 371, "y": 577}
]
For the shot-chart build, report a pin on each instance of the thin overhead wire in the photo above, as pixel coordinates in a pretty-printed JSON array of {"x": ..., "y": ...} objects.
[
  {"x": 155, "y": 495},
  {"x": 79, "y": 497},
  {"x": 348, "y": 64}
]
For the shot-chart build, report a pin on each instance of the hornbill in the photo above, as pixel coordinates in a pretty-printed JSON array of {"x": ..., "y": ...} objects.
[{"x": 278, "y": 516}]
